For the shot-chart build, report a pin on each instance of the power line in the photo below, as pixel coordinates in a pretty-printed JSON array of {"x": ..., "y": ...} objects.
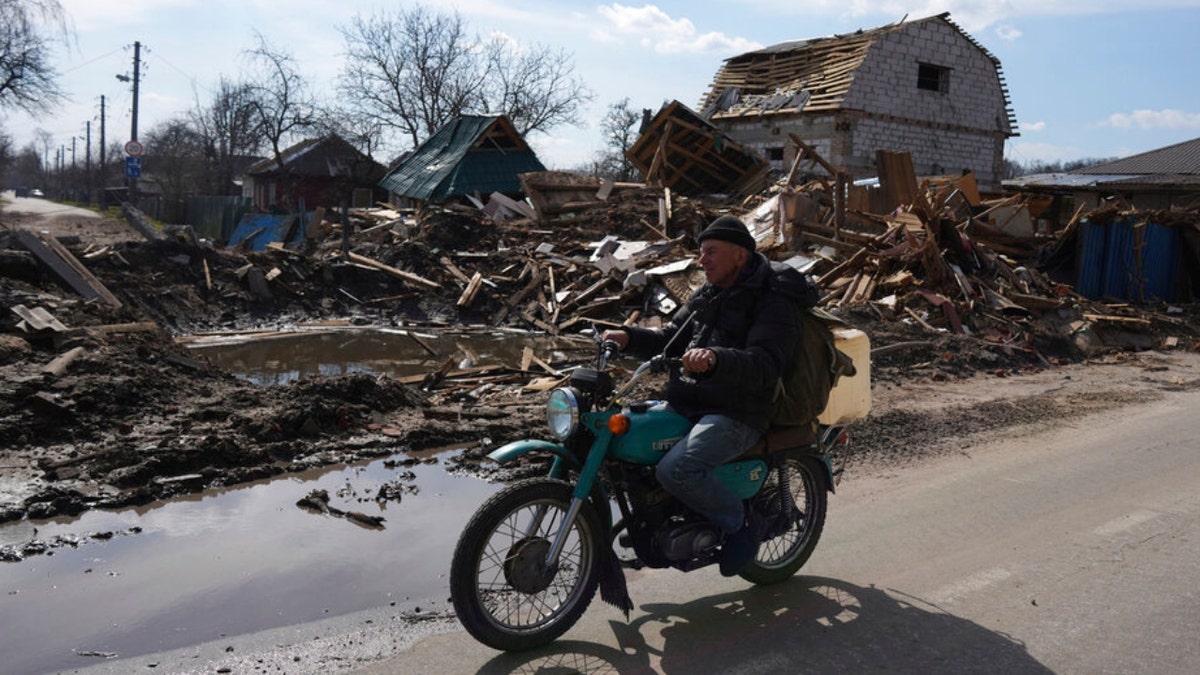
[{"x": 88, "y": 63}]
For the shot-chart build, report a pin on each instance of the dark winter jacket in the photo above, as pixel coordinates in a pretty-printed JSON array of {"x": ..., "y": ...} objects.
[{"x": 751, "y": 326}]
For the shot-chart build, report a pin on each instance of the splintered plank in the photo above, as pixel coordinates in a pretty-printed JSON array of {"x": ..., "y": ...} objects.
[
  {"x": 68, "y": 268},
  {"x": 407, "y": 276}
]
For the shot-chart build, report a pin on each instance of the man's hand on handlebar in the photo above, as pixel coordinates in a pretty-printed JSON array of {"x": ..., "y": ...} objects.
[
  {"x": 620, "y": 337},
  {"x": 699, "y": 360}
]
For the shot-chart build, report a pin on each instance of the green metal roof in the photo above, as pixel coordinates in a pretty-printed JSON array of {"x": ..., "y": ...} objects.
[{"x": 472, "y": 153}]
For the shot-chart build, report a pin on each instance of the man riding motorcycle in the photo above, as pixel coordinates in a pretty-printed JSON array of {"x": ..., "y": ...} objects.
[{"x": 733, "y": 337}]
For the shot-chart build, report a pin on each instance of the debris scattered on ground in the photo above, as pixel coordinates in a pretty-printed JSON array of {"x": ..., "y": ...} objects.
[{"x": 102, "y": 406}]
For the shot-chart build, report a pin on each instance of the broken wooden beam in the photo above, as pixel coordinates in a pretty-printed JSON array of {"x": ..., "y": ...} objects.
[
  {"x": 61, "y": 362},
  {"x": 468, "y": 294},
  {"x": 401, "y": 274}
]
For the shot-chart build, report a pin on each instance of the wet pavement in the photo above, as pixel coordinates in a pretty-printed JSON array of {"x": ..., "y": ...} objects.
[{"x": 230, "y": 562}]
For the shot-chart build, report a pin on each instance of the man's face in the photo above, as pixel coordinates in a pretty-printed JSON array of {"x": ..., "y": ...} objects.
[{"x": 722, "y": 261}]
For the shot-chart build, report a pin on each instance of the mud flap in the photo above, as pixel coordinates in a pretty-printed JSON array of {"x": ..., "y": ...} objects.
[{"x": 612, "y": 583}]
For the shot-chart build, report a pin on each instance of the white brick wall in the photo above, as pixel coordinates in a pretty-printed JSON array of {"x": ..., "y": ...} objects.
[
  {"x": 945, "y": 132},
  {"x": 887, "y": 81}
]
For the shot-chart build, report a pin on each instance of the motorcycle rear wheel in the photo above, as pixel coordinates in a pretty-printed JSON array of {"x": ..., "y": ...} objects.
[
  {"x": 800, "y": 517},
  {"x": 502, "y": 592}
]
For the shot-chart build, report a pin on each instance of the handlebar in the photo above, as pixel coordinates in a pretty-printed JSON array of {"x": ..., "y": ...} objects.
[{"x": 609, "y": 350}]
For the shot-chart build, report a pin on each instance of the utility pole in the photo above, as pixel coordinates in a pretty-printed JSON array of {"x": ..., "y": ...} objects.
[
  {"x": 88, "y": 182},
  {"x": 103, "y": 161},
  {"x": 133, "y": 168},
  {"x": 137, "y": 70}
]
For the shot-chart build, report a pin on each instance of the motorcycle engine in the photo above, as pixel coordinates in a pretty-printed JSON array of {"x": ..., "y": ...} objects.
[
  {"x": 686, "y": 541},
  {"x": 664, "y": 532}
]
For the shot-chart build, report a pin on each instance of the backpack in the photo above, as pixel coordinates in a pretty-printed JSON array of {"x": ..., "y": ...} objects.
[{"x": 815, "y": 364}]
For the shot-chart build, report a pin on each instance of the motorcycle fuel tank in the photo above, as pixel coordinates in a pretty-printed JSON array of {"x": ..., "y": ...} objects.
[{"x": 653, "y": 429}]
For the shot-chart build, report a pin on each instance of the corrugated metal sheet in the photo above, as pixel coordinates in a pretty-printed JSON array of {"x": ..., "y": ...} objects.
[
  {"x": 1161, "y": 261},
  {"x": 1128, "y": 260},
  {"x": 1181, "y": 158},
  {"x": 1093, "y": 243}
]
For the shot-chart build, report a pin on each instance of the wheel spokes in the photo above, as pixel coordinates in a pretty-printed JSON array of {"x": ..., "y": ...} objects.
[{"x": 509, "y": 606}]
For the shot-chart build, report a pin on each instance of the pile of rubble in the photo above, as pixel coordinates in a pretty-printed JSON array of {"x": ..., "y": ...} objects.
[{"x": 103, "y": 406}]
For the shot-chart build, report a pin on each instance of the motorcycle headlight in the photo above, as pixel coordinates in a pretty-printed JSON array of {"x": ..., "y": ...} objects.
[{"x": 562, "y": 413}]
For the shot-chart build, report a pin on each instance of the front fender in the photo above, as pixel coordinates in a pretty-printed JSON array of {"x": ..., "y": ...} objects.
[
  {"x": 564, "y": 462},
  {"x": 510, "y": 451}
]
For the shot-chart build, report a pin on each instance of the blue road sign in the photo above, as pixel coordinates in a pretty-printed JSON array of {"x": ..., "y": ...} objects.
[{"x": 133, "y": 167}]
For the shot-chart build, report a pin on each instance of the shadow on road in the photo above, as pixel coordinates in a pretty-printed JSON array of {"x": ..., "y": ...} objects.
[{"x": 807, "y": 625}]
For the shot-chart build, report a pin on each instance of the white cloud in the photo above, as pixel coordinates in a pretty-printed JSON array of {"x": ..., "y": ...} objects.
[
  {"x": 1033, "y": 126},
  {"x": 1153, "y": 119},
  {"x": 973, "y": 15},
  {"x": 89, "y": 15},
  {"x": 1008, "y": 33},
  {"x": 654, "y": 28}
]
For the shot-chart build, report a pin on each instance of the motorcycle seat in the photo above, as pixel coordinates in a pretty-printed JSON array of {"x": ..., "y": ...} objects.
[{"x": 782, "y": 438}]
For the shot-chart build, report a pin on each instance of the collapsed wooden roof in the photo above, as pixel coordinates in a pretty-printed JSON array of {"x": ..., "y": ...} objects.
[{"x": 681, "y": 151}]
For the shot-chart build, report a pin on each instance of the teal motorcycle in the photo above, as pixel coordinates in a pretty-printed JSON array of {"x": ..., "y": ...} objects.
[{"x": 533, "y": 556}]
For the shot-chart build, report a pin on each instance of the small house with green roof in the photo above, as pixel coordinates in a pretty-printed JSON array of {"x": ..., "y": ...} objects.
[{"x": 472, "y": 155}]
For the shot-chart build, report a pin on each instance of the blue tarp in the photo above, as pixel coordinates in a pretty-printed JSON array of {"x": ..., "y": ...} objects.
[{"x": 264, "y": 228}]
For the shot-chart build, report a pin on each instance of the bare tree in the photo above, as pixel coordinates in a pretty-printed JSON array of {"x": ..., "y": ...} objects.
[
  {"x": 231, "y": 130},
  {"x": 411, "y": 71},
  {"x": 7, "y": 158},
  {"x": 620, "y": 126},
  {"x": 26, "y": 169},
  {"x": 46, "y": 139},
  {"x": 279, "y": 93},
  {"x": 176, "y": 158},
  {"x": 535, "y": 86},
  {"x": 27, "y": 80}
]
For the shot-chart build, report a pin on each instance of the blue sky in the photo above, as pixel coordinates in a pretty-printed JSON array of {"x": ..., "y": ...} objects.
[{"x": 1086, "y": 79}]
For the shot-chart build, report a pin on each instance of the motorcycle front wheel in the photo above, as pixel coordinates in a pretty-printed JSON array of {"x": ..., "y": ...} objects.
[
  {"x": 503, "y": 592},
  {"x": 792, "y": 503}
]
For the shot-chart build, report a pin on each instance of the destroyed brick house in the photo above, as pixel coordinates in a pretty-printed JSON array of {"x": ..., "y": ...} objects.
[
  {"x": 925, "y": 87},
  {"x": 316, "y": 171},
  {"x": 471, "y": 156}
]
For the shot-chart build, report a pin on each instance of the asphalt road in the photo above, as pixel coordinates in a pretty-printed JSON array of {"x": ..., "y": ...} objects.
[
  {"x": 43, "y": 207},
  {"x": 1070, "y": 550}
]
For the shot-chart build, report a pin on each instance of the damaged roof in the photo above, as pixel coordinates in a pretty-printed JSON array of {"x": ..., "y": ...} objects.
[
  {"x": 323, "y": 156},
  {"x": 811, "y": 76},
  {"x": 472, "y": 153}
]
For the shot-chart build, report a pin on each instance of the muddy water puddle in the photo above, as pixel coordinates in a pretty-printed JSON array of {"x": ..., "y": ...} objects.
[
  {"x": 279, "y": 358},
  {"x": 245, "y": 559}
]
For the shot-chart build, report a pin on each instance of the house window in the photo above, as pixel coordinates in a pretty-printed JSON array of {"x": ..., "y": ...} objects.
[
  {"x": 933, "y": 78},
  {"x": 775, "y": 154}
]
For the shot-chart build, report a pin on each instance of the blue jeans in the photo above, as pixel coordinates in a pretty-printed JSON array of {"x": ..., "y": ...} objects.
[{"x": 686, "y": 471}]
